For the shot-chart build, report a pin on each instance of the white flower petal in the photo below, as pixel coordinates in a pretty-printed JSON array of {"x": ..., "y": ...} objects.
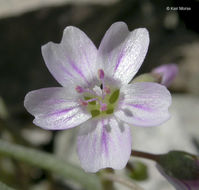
[
  {"x": 55, "y": 108},
  {"x": 144, "y": 104},
  {"x": 73, "y": 61},
  {"x": 104, "y": 143},
  {"x": 123, "y": 52}
]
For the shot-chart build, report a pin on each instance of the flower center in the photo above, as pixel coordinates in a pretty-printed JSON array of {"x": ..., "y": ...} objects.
[{"x": 99, "y": 100}]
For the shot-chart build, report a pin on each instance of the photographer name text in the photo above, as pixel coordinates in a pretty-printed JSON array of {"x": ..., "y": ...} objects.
[{"x": 180, "y": 8}]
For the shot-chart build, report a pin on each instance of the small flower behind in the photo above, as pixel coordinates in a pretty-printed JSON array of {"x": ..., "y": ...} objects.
[
  {"x": 95, "y": 94},
  {"x": 166, "y": 73}
]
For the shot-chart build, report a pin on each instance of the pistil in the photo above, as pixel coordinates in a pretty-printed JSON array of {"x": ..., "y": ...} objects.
[
  {"x": 101, "y": 77},
  {"x": 101, "y": 74},
  {"x": 103, "y": 106},
  {"x": 99, "y": 100}
]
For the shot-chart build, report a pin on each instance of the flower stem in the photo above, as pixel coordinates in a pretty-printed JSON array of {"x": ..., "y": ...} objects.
[
  {"x": 106, "y": 183},
  {"x": 146, "y": 155},
  {"x": 3, "y": 186},
  {"x": 51, "y": 163},
  {"x": 121, "y": 180}
]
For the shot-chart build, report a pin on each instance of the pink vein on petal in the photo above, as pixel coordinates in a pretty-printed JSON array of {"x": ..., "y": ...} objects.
[
  {"x": 62, "y": 111},
  {"x": 139, "y": 106},
  {"x": 57, "y": 101},
  {"x": 119, "y": 60},
  {"x": 86, "y": 57},
  {"x": 104, "y": 137},
  {"x": 65, "y": 70},
  {"x": 66, "y": 120},
  {"x": 77, "y": 70}
]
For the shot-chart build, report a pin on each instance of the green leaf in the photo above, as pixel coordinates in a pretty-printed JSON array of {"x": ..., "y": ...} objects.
[
  {"x": 51, "y": 163},
  {"x": 3, "y": 186}
]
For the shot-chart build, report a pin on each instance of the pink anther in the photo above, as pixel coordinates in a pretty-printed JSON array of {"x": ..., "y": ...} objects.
[
  {"x": 101, "y": 74},
  {"x": 79, "y": 89},
  {"x": 83, "y": 103},
  {"x": 107, "y": 90},
  {"x": 103, "y": 107}
]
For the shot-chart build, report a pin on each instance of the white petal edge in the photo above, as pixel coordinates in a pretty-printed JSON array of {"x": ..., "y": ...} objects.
[
  {"x": 55, "y": 108},
  {"x": 123, "y": 52},
  {"x": 73, "y": 61},
  {"x": 144, "y": 104},
  {"x": 104, "y": 143}
]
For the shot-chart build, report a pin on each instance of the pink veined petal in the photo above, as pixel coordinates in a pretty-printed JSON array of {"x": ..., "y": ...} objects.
[
  {"x": 168, "y": 73},
  {"x": 104, "y": 143},
  {"x": 55, "y": 108},
  {"x": 123, "y": 52},
  {"x": 73, "y": 61},
  {"x": 144, "y": 104}
]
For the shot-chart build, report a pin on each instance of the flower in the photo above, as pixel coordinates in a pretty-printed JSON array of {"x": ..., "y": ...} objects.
[
  {"x": 181, "y": 169},
  {"x": 166, "y": 73},
  {"x": 96, "y": 94}
]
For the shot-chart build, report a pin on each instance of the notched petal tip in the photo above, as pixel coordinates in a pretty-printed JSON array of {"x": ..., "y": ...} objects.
[
  {"x": 70, "y": 29},
  {"x": 67, "y": 31},
  {"x": 45, "y": 49},
  {"x": 118, "y": 24},
  {"x": 123, "y": 51},
  {"x": 143, "y": 34},
  {"x": 27, "y": 100},
  {"x": 73, "y": 60}
]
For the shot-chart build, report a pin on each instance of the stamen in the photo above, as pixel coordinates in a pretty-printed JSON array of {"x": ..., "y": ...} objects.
[
  {"x": 101, "y": 74},
  {"x": 79, "y": 89},
  {"x": 100, "y": 99},
  {"x": 107, "y": 90},
  {"x": 103, "y": 106},
  {"x": 85, "y": 102},
  {"x": 101, "y": 77},
  {"x": 92, "y": 100}
]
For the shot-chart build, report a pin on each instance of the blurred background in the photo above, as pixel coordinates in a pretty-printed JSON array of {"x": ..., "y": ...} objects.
[{"x": 25, "y": 25}]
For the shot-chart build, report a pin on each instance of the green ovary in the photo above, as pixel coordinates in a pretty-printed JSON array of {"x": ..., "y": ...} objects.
[{"x": 110, "y": 100}]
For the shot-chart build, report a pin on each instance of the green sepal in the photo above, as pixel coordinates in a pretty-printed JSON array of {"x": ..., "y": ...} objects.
[
  {"x": 180, "y": 165},
  {"x": 146, "y": 77},
  {"x": 137, "y": 171}
]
